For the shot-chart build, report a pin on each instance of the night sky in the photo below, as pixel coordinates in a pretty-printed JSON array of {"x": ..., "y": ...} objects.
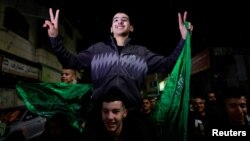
[{"x": 217, "y": 23}]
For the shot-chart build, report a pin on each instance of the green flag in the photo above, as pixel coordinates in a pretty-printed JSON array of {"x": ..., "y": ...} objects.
[
  {"x": 171, "y": 112},
  {"x": 46, "y": 99}
]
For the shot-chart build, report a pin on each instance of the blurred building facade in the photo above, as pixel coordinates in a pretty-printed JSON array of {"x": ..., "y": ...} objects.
[
  {"x": 216, "y": 68},
  {"x": 213, "y": 69},
  {"x": 25, "y": 49}
]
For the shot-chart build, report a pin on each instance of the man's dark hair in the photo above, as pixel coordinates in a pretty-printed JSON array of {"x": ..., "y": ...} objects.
[
  {"x": 126, "y": 11},
  {"x": 114, "y": 94}
]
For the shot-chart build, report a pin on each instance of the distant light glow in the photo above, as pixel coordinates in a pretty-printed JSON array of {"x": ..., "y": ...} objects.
[{"x": 161, "y": 85}]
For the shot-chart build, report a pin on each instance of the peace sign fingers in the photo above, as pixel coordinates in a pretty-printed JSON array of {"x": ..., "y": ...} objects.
[
  {"x": 181, "y": 22},
  {"x": 52, "y": 24},
  {"x": 54, "y": 19}
]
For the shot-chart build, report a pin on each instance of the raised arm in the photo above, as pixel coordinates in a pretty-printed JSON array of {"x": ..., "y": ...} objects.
[
  {"x": 52, "y": 24},
  {"x": 158, "y": 63},
  {"x": 66, "y": 58}
]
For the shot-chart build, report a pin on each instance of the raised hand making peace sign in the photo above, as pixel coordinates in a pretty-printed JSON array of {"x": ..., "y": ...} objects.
[
  {"x": 182, "y": 26},
  {"x": 52, "y": 24}
]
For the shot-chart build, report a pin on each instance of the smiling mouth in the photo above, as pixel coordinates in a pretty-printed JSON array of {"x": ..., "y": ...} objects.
[
  {"x": 119, "y": 27},
  {"x": 110, "y": 124}
]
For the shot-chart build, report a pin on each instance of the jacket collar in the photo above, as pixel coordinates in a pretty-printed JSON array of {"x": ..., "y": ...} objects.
[{"x": 114, "y": 43}]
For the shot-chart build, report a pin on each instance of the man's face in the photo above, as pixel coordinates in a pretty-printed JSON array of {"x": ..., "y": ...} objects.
[
  {"x": 146, "y": 106},
  {"x": 236, "y": 109},
  {"x": 153, "y": 102},
  {"x": 121, "y": 25},
  {"x": 68, "y": 76},
  {"x": 211, "y": 97},
  {"x": 113, "y": 114},
  {"x": 199, "y": 104}
]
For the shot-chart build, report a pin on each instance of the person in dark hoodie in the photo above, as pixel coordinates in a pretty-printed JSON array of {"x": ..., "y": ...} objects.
[{"x": 117, "y": 62}]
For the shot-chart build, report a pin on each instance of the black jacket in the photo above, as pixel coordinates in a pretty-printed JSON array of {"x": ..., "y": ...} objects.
[{"x": 126, "y": 69}]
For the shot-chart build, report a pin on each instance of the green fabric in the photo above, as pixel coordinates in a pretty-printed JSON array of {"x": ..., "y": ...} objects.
[
  {"x": 171, "y": 111},
  {"x": 46, "y": 99}
]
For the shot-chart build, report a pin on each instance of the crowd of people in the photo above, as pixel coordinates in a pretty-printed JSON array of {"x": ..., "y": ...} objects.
[{"x": 219, "y": 114}]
